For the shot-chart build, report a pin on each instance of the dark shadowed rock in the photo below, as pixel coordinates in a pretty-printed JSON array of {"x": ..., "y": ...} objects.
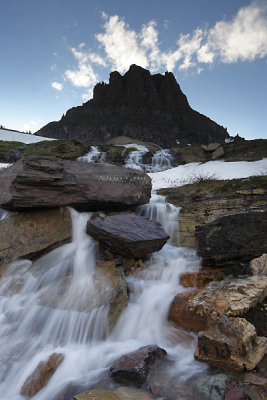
[
  {"x": 237, "y": 236},
  {"x": 42, "y": 181},
  {"x": 128, "y": 234},
  {"x": 150, "y": 108},
  {"x": 41, "y": 375},
  {"x": 133, "y": 368}
]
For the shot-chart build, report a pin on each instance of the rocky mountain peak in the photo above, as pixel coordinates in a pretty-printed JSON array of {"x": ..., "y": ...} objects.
[{"x": 146, "y": 107}]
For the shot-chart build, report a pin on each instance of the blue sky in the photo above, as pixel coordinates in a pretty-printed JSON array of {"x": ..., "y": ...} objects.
[{"x": 53, "y": 52}]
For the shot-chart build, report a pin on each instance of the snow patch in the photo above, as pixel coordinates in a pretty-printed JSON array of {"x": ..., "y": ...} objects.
[
  {"x": 139, "y": 147},
  {"x": 182, "y": 174},
  {"x": 13, "y": 136}
]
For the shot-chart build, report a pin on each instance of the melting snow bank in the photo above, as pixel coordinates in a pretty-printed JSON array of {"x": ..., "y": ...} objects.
[
  {"x": 184, "y": 174},
  {"x": 13, "y": 136},
  {"x": 4, "y": 165}
]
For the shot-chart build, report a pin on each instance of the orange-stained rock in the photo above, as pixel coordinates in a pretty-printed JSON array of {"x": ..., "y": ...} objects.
[
  {"x": 180, "y": 314},
  {"x": 201, "y": 278},
  {"x": 41, "y": 375}
]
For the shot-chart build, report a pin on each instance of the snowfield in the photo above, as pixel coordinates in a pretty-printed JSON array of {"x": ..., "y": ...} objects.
[
  {"x": 183, "y": 174},
  {"x": 12, "y": 136}
]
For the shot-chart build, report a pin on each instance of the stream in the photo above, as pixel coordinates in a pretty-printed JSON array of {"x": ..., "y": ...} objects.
[{"x": 32, "y": 327}]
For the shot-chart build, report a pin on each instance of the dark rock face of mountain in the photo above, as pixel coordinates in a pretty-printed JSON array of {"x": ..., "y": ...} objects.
[{"x": 150, "y": 108}]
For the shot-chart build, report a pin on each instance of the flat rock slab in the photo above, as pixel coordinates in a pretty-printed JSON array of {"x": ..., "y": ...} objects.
[
  {"x": 128, "y": 234},
  {"x": 43, "y": 181},
  {"x": 133, "y": 368}
]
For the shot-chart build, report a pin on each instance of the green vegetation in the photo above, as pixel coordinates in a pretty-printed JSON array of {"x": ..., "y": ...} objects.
[
  {"x": 57, "y": 148},
  {"x": 8, "y": 150}
]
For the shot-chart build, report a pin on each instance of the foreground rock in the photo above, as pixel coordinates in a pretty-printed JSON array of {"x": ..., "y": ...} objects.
[
  {"x": 41, "y": 375},
  {"x": 41, "y": 181},
  {"x": 230, "y": 297},
  {"x": 121, "y": 393},
  {"x": 28, "y": 234},
  {"x": 231, "y": 343},
  {"x": 237, "y": 236},
  {"x": 129, "y": 235},
  {"x": 133, "y": 368}
]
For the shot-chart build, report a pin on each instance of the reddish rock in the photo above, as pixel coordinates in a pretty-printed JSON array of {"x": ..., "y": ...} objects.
[
  {"x": 201, "y": 278},
  {"x": 41, "y": 375},
  {"x": 236, "y": 394},
  {"x": 42, "y": 181},
  {"x": 129, "y": 235},
  {"x": 133, "y": 368},
  {"x": 181, "y": 314}
]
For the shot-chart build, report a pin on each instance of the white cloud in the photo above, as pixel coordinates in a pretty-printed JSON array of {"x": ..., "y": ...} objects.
[
  {"x": 57, "y": 85},
  {"x": 243, "y": 38},
  {"x": 121, "y": 45}
]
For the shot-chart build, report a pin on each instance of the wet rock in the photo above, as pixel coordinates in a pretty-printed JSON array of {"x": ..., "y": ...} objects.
[
  {"x": 133, "y": 368},
  {"x": 231, "y": 343},
  {"x": 202, "y": 278},
  {"x": 231, "y": 297},
  {"x": 234, "y": 236},
  {"x": 28, "y": 234},
  {"x": 121, "y": 393},
  {"x": 41, "y": 375},
  {"x": 181, "y": 314},
  {"x": 259, "y": 265},
  {"x": 236, "y": 394},
  {"x": 129, "y": 235},
  {"x": 210, "y": 387},
  {"x": 42, "y": 181}
]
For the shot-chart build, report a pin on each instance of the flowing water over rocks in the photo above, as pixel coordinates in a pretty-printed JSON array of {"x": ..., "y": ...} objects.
[{"x": 32, "y": 327}]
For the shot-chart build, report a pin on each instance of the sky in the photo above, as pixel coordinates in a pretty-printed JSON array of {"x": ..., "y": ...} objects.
[{"x": 53, "y": 52}]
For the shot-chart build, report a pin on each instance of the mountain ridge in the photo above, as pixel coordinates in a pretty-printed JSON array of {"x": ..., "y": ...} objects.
[{"x": 146, "y": 107}]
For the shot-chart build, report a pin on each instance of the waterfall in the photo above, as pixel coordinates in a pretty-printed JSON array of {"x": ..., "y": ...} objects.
[
  {"x": 161, "y": 160},
  {"x": 94, "y": 155},
  {"x": 48, "y": 306}
]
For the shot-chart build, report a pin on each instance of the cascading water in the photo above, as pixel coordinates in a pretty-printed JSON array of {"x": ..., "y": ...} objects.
[
  {"x": 94, "y": 155},
  {"x": 161, "y": 160},
  {"x": 48, "y": 306}
]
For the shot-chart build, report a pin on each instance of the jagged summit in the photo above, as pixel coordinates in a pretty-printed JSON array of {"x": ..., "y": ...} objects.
[{"x": 150, "y": 108}]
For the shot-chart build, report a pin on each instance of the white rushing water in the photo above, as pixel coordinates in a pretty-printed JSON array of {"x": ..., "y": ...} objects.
[
  {"x": 48, "y": 306},
  {"x": 94, "y": 155},
  {"x": 161, "y": 161}
]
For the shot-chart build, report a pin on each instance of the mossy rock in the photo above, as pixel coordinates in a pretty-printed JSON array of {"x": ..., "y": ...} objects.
[
  {"x": 58, "y": 148},
  {"x": 11, "y": 151}
]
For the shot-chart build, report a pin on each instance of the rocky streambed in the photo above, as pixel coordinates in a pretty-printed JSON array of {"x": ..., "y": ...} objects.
[{"x": 102, "y": 310}]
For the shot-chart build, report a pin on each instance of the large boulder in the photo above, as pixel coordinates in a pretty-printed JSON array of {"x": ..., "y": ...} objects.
[
  {"x": 121, "y": 393},
  {"x": 133, "y": 368},
  {"x": 42, "y": 181},
  {"x": 236, "y": 236},
  {"x": 31, "y": 233},
  {"x": 129, "y": 235}
]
